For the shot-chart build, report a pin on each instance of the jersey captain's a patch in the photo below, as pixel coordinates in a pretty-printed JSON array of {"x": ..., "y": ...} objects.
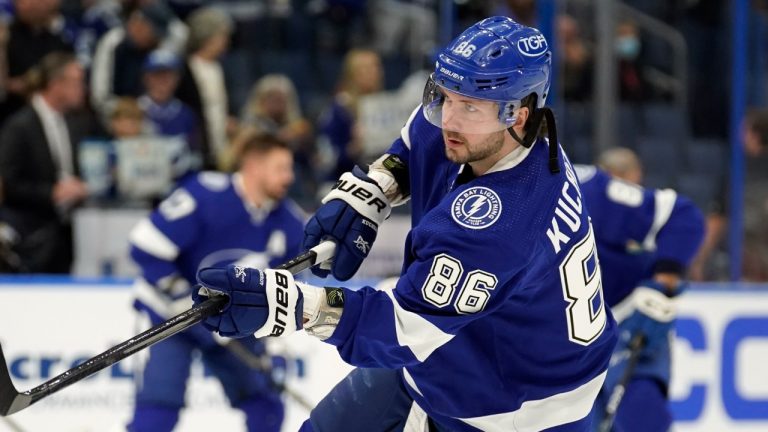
[{"x": 476, "y": 208}]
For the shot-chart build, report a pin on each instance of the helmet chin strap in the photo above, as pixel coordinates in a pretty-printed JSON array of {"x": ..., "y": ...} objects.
[{"x": 531, "y": 129}]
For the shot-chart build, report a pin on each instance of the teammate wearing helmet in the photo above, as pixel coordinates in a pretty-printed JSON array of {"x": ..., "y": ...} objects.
[{"x": 497, "y": 321}]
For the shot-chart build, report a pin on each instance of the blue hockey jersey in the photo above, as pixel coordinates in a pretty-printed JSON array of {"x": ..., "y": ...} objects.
[
  {"x": 207, "y": 222},
  {"x": 497, "y": 321},
  {"x": 639, "y": 231}
]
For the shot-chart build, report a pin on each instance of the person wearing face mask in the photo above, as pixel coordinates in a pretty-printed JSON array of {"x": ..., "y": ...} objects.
[{"x": 632, "y": 84}]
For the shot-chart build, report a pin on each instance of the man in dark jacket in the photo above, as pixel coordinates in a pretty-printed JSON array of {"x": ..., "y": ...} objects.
[{"x": 38, "y": 164}]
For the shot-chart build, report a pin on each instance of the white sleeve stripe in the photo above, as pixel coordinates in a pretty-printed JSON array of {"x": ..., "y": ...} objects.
[
  {"x": 405, "y": 131},
  {"x": 417, "y": 420},
  {"x": 150, "y": 296},
  {"x": 536, "y": 415},
  {"x": 665, "y": 202},
  {"x": 411, "y": 383},
  {"x": 415, "y": 332},
  {"x": 151, "y": 240}
]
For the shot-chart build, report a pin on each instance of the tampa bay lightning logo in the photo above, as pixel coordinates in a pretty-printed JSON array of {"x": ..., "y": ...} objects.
[{"x": 476, "y": 208}]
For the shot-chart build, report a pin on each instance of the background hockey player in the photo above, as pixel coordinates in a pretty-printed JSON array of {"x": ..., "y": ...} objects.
[
  {"x": 497, "y": 321},
  {"x": 213, "y": 219},
  {"x": 646, "y": 238}
]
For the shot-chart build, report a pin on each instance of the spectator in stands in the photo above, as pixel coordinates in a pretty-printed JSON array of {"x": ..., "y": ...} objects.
[
  {"x": 117, "y": 63},
  {"x": 339, "y": 139},
  {"x": 36, "y": 30},
  {"x": 755, "y": 247},
  {"x": 202, "y": 85},
  {"x": 127, "y": 119},
  {"x": 576, "y": 61},
  {"x": 273, "y": 108},
  {"x": 167, "y": 115},
  {"x": 632, "y": 83},
  {"x": 38, "y": 149},
  {"x": 96, "y": 19}
]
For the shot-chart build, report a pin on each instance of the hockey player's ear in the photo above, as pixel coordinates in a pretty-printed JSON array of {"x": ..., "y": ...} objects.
[{"x": 522, "y": 116}]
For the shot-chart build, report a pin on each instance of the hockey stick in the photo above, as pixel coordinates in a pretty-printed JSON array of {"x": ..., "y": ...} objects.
[
  {"x": 12, "y": 401},
  {"x": 258, "y": 363},
  {"x": 635, "y": 346}
]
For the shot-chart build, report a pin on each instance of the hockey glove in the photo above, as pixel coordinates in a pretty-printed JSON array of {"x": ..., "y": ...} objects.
[
  {"x": 261, "y": 303},
  {"x": 351, "y": 214},
  {"x": 653, "y": 316}
]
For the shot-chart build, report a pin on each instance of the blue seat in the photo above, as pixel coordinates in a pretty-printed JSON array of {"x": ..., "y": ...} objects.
[
  {"x": 295, "y": 65},
  {"x": 665, "y": 121},
  {"x": 699, "y": 187},
  {"x": 629, "y": 121},
  {"x": 575, "y": 120},
  {"x": 708, "y": 156},
  {"x": 240, "y": 73},
  {"x": 579, "y": 149},
  {"x": 328, "y": 72},
  {"x": 661, "y": 158}
]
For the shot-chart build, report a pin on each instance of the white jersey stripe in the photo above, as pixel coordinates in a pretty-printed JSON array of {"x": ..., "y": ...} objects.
[
  {"x": 415, "y": 332},
  {"x": 411, "y": 383},
  {"x": 665, "y": 203},
  {"x": 536, "y": 415},
  {"x": 160, "y": 304},
  {"x": 151, "y": 240},
  {"x": 405, "y": 131},
  {"x": 417, "y": 420}
]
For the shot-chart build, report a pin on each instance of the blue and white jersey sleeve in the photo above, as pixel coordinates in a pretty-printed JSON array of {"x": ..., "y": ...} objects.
[
  {"x": 401, "y": 147},
  {"x": 156, "y": 243},
  {"x": 158, "y": 239},
  {"x": 657, "y": 221}
]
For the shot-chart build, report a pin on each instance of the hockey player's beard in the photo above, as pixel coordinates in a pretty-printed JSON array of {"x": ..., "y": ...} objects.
[{"x": 461, "y": 151}]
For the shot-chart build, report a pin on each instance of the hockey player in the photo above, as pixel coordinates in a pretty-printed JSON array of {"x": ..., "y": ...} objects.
[
  {"x": 497, "y": 321},
  {"x": 212, "y": 219},
  {"x": 646, "y": 238}
]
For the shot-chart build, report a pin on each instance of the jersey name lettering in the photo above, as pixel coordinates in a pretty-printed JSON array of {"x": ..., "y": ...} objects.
[{"x": 568, "y": 212}]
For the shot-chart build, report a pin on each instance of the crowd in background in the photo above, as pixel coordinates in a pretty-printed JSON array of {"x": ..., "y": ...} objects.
[{"x": 326, "y": 76}]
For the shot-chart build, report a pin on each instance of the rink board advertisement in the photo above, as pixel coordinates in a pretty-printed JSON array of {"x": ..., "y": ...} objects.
[{"x": 48, "y": 326}]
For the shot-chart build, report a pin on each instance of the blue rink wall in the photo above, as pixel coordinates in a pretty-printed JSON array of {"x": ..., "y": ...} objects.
[{"x": 48, "y": 325}]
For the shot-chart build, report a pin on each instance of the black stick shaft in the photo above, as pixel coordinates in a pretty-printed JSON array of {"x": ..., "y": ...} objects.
[
  {"x": 635, "y": 346},
  {"x": 11, "y": 401}
]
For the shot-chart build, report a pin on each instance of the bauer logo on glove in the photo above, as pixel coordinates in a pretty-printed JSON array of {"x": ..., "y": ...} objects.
[
  {"x": 350, "y": 215},
  {"x": 261, "y": 303}
]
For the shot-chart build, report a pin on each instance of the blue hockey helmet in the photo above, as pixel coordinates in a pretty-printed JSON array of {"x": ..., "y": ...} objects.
[{"x": 496, "y": 60}]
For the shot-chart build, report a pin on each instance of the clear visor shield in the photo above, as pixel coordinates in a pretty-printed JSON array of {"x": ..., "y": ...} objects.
[{"x": 455, "y": 112}]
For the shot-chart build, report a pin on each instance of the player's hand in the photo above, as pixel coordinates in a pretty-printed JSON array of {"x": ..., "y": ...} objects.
[
  {"x": 351, "y": 214},
  {"x": 261, "y": 303},
  {"x": 653, "y": 316}
]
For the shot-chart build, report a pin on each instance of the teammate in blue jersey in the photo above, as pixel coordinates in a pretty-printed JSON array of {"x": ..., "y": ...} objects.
[
  {"x": 497, "y": 321},
  {"x": 646, "y": 239},
  {"x": 212, "y": 219}
]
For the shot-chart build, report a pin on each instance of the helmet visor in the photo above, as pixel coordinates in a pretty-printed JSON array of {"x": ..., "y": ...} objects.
[{"x": 455, "y": 112}]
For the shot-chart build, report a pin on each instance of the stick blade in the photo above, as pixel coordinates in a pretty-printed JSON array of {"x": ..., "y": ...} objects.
[{"x": 11, "y": 401}]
